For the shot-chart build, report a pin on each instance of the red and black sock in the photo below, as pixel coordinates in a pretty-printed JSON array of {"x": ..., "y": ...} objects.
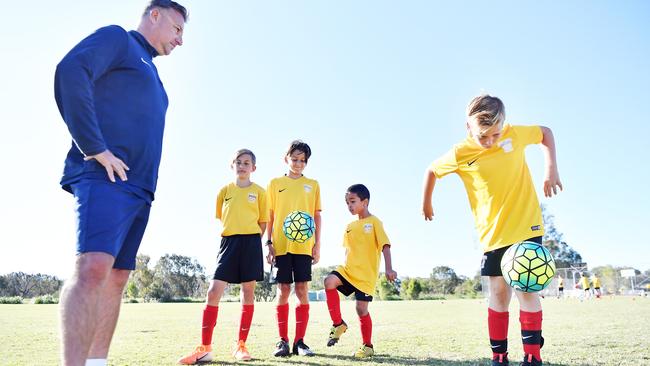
[
  {"x": 209, "y": 322},
  {"x": 245, "y": 321},
  {"x": 498, "y": 331},
  {"x": 531, "y": 332},
  {"x": 366, "y": 329},
  {"x": 282, "y": 312},
  {"x": 302, "y": 318},
  {"x": 334, "y": 306}
]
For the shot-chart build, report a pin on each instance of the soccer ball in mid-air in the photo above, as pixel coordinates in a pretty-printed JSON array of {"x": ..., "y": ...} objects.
[
  {"x": 298, "y": 226},
  {"x": 528, "y": 266}
]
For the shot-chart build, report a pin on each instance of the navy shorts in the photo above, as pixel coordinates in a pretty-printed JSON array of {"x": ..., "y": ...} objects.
[
  {"x": 111, "y": 218},
  {"x": 347, "y": 288},
  {"x": 240, "y": 259},
  {"x": 491, "y": 262},
  {"x": 293, "y": 268}
]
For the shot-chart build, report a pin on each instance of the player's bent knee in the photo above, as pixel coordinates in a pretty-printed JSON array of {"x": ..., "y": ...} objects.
[{"x": 331, "y": 282}]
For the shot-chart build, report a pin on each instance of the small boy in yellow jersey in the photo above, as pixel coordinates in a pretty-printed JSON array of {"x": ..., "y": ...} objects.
[
  {"x": 492, "y": 165},
  {"x": 364, "y": 241},
  {"x": 293, "y": 260},
  {"x": 243, "y": 209}
]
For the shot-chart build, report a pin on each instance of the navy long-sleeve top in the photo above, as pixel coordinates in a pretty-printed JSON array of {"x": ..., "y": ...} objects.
[{"x": 110, "y": 96}]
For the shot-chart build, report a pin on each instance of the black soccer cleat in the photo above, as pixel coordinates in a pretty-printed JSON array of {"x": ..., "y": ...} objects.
[
  {"x": 529, "y": 360},
  {"x": 500, "y": 359},
  {"x": 301, "y": 349},
  {"x": 282, "y": 349}
]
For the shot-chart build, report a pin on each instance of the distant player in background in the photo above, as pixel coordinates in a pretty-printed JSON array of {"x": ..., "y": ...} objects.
[
  {"x": 586, "y": 286},
  {"x": 595, "y": 281},
  {"x": 492, "y": 165},
  {"x": 560, "y": 287},
  {"x": 364, "y": 241},
  {"x": 293, "y": 192},
  {"x": 243, "y": 209}
]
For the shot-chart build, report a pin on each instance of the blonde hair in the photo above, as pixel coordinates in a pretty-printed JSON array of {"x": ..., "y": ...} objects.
[
  {"x": 241, "y": 152},
  {"x": 487, "y": 110}
]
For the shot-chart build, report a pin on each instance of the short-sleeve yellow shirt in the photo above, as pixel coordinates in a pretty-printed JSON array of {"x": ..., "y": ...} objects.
[
  {"x": 499, "y": 186},
  {"x": 242, "y": 209},
  {"x": 364, "y": 241},
  {"x": 285, "y": 196}
]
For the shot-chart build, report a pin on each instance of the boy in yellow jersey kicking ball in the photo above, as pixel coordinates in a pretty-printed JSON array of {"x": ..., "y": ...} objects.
[
  {"x": 243, "y": 209},
  {"x": 364, "y": 241},
  {"x": 293, "y": 259},
  {"x": 492, "y": 165}
]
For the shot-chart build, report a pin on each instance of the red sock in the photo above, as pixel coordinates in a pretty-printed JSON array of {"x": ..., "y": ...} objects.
[
  {"x": 282, "y": 312},
  {"x": 498, "y": 331},
  {"x": 334, "y": 306},
  {"x": 531, "y": 332},
  {"x": 245, "y": 321},
  {"x": 209, "y": 321},
  {"x": 302, "y": 318},
  {"x": 366, "y": 329}
]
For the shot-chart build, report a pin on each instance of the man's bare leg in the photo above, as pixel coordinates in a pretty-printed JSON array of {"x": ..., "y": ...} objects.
[
  {"x": 108, "y": 312},
  {"x": 78, "y": 304}
]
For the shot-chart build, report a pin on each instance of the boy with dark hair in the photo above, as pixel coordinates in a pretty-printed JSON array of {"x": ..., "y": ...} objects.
[
  {"x": 364, "y": 241},
  {"x": 492, "y": 165},
  {"x": 293, "y": 192},
  {"x": 242, "y": 208}
]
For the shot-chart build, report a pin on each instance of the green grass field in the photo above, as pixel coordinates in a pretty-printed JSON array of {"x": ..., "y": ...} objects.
[{"x": 610, "y": 331}]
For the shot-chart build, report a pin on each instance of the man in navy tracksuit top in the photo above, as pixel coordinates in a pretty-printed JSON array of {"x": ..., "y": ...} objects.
[{"x": 111, "y": 98}]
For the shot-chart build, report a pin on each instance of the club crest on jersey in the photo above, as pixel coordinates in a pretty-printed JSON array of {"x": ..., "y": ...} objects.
[
  {"x": 252, "y": 197},
  {"x": 367, "y": 228},
  {"x": 307, "y": 188},
  {"x": 506, "y": 145}
]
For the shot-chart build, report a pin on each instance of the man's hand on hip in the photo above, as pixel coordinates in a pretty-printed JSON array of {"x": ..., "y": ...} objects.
[{"x": 111, "y": 163}]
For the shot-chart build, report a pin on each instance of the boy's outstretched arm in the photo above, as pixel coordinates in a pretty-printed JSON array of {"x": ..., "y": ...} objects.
[
  {"x": 552, "y": 177},
  {"x": 390, "y": 274},
  {"x": 429, "y": 183},
  {"x": 315, "y": 251}
]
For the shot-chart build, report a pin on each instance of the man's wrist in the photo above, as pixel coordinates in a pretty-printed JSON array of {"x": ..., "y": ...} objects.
[{"x": 269, "y": 242}]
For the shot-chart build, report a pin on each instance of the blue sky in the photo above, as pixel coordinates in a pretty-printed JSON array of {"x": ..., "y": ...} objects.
[{"x": 377, "y": 88}]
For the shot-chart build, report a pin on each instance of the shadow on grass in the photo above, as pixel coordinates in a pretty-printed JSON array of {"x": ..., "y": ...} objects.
[{"x": 320, "y": 360}]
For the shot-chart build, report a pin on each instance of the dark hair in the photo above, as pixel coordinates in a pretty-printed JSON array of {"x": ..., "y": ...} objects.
[
  {"x": 241, "y": 152},
  {"x": 298, "y": 145},
  {"x": 360, "y": 190},
  {"x": 167, "y": 4}
]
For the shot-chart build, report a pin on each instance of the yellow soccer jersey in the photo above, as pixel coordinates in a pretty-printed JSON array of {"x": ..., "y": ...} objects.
[
  {"x": 560, "y": 282},
  {"x": 364, "y": 241},
  {"x": 499, "y": 186},
  {"x": 285, "y": 196},
  {"x": 242, "y": 209},
  {"x": 596, "y": 282},
  {"x": 584, "y": 281}
]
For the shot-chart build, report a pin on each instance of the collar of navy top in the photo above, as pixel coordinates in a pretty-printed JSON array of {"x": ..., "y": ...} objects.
[{"x": 144, "y": 43}]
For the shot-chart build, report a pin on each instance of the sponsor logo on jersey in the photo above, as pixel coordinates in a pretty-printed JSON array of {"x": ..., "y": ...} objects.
[{"x": 506, "y": 145}]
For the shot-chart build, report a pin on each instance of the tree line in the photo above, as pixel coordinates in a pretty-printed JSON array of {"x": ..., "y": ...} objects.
[{"x": 179, "y": 278}]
